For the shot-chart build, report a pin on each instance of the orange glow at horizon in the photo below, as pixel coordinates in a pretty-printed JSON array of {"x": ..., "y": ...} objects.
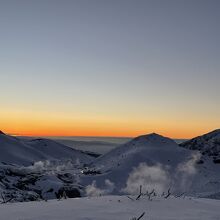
[
  {"x": 73, "y": 69},
  {"x": 98, "y": 133},
  {"x": 49, "y": 124},
  {"x": 30, "y": 128}
]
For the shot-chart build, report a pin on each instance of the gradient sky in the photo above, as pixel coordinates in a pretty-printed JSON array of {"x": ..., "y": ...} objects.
[{"x": 109, "y": 68}]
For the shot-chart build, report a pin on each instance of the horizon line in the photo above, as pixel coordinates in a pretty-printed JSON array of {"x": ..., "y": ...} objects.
[{"x": 91, "y": 136}]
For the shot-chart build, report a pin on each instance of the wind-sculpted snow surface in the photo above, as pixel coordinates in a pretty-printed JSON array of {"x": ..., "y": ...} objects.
[{"x": 114, "y": 208}]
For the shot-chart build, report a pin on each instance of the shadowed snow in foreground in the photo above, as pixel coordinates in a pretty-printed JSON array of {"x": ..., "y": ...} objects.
[{"x": 113, "y": 207}]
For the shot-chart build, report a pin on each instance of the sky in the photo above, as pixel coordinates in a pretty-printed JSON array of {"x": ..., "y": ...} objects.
[{"x": 109, "y": 68}]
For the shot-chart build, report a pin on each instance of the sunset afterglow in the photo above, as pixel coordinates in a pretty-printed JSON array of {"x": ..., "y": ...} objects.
[{"x": 109, "y": 69}]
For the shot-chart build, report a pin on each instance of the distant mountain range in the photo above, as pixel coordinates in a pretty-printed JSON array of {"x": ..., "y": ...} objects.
[{"x": 34, "y": 169}]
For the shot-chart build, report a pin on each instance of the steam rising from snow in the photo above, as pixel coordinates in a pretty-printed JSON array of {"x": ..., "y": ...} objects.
[
  {"x": 149, "y": 177},
  {"x": 189, "y": 167},
  {"x": 92, "y": 190},
  {"x": 160, "y": 178},
  {"x": 156, "y": 177},
  {"x": 51, "y": 166},
  {"x": 186, "y": 171}
]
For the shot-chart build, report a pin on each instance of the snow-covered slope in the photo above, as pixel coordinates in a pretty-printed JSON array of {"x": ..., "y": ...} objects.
[
  {"x": 151, "y": 161},
  {"x": 25, "y": 152},
  {"x": 207, "y": 144},
  {"x": 113, "y": 207},
  {"x": 151, "y": 148},
  {"x": 155, "y": 162},
  {"x": 53, "y": 150}
]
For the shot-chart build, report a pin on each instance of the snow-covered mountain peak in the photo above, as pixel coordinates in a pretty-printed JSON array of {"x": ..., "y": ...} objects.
[
  {"x": 151, "y": 139},
  {"x": 151, "y": 136},
  {"x": 152, "y": 149}
]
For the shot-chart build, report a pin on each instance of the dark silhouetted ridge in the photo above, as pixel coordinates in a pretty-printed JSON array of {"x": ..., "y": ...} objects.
[{"x": 2, "y": 133}]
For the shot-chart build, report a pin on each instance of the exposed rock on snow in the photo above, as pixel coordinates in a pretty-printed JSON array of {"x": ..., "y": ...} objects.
[
  {"x": 19, "y": 184},
  {"x": 208, "y": 144}
]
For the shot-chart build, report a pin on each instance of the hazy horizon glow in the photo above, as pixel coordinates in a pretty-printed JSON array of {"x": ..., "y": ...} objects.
[{"x": 109, "y": 68}]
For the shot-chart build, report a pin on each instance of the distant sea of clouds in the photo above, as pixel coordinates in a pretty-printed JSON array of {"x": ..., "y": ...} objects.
[{"x": 99, "y": 145}]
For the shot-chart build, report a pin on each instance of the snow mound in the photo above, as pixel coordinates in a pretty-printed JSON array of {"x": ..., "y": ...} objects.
[
  {"x": 152, "y": 148},
  {"x": 153, "y": 161}
]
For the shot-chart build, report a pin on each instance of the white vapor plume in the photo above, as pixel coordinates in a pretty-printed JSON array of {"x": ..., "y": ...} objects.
[
  {"x": 189, "y": 167},
  {"x": 161, "y": 178},
  {"x": 185, "y": 172},
  {"x": 92, "y": 190},
  {"x": 149, "y": 177},
  {"x": 51, "y": 166}
]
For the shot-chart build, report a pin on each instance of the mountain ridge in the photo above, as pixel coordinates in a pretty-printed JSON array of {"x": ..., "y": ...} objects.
[
  {"x": 25, "y": 152},
  {"x": 208, "y": 144}
]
